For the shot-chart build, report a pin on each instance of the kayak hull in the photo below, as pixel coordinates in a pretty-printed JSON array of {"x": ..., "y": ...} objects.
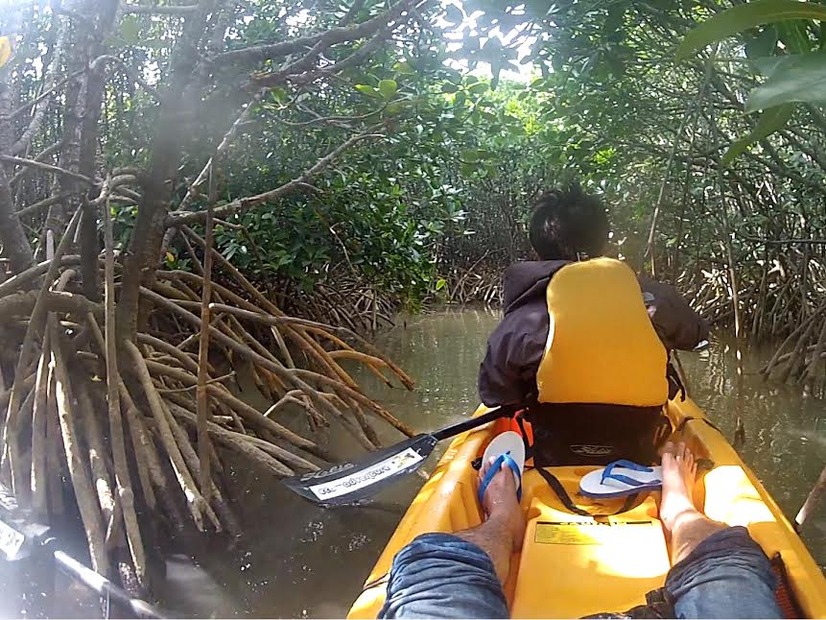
[{"x": 571, "y": 566}]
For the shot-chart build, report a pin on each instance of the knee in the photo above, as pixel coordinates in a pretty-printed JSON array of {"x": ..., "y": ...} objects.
[
  {"x": 728, "y": 560},
  {"x": 440, "y": 575},
  {"x": 438, "y": 555}
]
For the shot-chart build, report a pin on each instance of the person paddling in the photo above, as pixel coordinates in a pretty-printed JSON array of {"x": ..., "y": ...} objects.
[{"x": 584, "y": 342}]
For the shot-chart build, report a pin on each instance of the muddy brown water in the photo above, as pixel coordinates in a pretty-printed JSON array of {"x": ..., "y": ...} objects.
[{"x": 299, "y": 560}]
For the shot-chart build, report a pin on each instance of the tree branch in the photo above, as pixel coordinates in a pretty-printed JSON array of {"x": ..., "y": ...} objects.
[
  {"x": 20, "y": 161},
  {"x": 784, "y": 241},
  {"x": 229, "y": 136},
  {"x": 47, "y": 202},
  {"x": 17, "y": 112},
  {"x": 42, "y": 103},
  {"x": 129, "y": 71},
  {"x": 158, "y": 10},
  {"x": 260, "y": 53},
  {"x": 178, "y": 218},
  {"x": 47, "y": 152},
  {"x": 295, "y": 69}
]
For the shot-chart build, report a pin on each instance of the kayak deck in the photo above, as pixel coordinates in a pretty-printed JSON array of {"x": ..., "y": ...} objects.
[{"x": 571, "y": 566}]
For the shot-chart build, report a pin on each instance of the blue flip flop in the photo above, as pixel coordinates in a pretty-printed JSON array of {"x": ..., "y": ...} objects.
[
  {"x": 620, "y": 479},
  {"x": 508, "y": 448}
]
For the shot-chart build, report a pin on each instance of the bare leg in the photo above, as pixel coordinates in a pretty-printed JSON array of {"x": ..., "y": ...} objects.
[
  {"x": 442, "y": 575},
  {"x": 717, "y": 571},
  {"x": 504, "y": 528},
  {"x": 687, "y": 525}
]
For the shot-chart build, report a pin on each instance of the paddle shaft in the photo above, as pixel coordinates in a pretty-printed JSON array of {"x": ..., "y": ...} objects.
[
  {"x": 457, "y": 429},
  {"x": 347, "y": 482}
]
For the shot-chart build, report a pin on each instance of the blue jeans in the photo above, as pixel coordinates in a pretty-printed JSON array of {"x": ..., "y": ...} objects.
[{"x": 443, "y": 576}]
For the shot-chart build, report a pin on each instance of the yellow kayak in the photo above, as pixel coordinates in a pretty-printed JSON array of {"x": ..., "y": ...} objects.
[{"x": 571, "y": 566}]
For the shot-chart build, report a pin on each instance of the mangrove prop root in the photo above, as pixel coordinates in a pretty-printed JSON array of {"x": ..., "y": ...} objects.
[
  {"x": 121, "y": 423},
  {"x": 45, "y": 377},
  {"x": 201, "y": 394},
  {"x": 238, "y": 443},
  {"x": 191, "y": 459},
  {"x": 123, "y": 482},
  {"x": 195, "y": 502},
  {"x": 80, "y": 478},
  {"x": 55, "y": 456}
]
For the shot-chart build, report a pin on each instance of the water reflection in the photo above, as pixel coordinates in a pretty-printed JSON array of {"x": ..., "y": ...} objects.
[{"x": 298, "y": 560}]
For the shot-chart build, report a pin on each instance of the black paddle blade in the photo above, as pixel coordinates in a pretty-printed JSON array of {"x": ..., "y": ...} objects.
[{"x": 350, "y": 482}]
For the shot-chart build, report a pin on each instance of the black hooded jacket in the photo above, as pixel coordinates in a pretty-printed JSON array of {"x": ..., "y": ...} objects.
[{"x": 508, "y": 373}]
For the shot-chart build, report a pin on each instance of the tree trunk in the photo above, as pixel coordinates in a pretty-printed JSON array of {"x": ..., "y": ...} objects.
[
  {"x": 177, "y": 108},
  {"x": 16, "y": 246}
]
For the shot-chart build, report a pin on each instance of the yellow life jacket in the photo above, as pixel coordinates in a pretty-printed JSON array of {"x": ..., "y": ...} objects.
[{"x": 601, "y": 345}]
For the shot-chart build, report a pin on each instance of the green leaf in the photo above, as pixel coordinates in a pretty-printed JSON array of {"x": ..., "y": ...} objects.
[
  {"x": 404, "y": 68},
  {"x": 130, "y": 30},
  {"x": 770, "y": 121},
  {"x": 388, "y": 88},
  {"x": 440, "y": 284},
  {"x": 743, "y": 17},
  {"x": 470, "y": 156},
  {"x": 795, "y": 37},
  {"x": 368, "y": 90},
  {"x": 767, "y": 65},
  {"x": 799, "y": 77},
  {"x": 280, "y": 94},
  {"x": 763, "y": 44}
]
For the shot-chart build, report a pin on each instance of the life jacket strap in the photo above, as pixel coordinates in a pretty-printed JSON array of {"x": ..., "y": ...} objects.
[{"x": 675, "y": 382}]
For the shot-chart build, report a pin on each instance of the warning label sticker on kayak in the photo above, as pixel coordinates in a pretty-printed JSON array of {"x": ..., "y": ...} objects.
[
  {"x": 383, "y": 469},
  {"x": 582, "y": 532}
]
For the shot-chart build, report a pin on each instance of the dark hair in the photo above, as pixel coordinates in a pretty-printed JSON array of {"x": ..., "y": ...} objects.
[{"x": 568, "y": 222}]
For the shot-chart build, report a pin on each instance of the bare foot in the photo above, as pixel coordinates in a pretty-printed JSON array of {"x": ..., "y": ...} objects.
[
  {"x": 502, "y": 531},
  {"x": 686, "y": 525},
  {"x": 679, "y": 474},
  {"x": 500, "y": 502}
]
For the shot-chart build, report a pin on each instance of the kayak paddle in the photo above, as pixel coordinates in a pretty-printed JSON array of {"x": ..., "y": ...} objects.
[{"x": 346, "y": 483}]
